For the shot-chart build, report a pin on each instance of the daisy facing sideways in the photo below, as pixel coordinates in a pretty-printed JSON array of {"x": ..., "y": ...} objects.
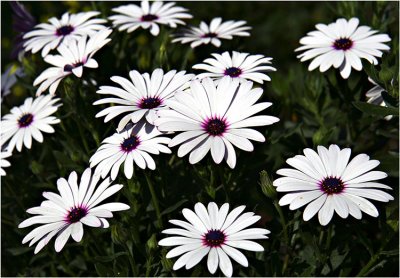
[
  {"x": 342, "y": 44},
  {"x": 374, "y": 96},
  {"x": 241, "y": 66},
  {"x": 213, "y": 33},
  {"x": 70, "y": 27},
  {"x": 215, "y": 117},
  {"x": 131, "y": 146},
  {"x": 213, "y": 232},
  {"x": 29, "y": 121},
  {"x": 64, "y": 214},
  {"x": 72, "y": 58},
  {"x": 131, "y": 17},
  {"x": 327, "y": 182},
  {"x": 141, "y": 96}
]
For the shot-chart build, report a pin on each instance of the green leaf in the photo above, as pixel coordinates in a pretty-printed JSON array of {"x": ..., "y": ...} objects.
[
  {"x": 174, "y": 207},
  {"x": 105, "y": 259},
  {"x": 376, "y": 110},
  {"x": 103, "y": 270}
]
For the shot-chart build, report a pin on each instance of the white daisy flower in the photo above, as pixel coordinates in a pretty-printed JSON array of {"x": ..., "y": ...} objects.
[
  {"x": 48, "y": 36},
  {"x": 327, "y": 182},
  {"x": 142, "y": 96},
  {"x": 240, "y": 65},
  {"x": 4, "y": 163},
  {"x": 29, "y": 121},
  {"x": 374, "y": 96},
  {"x": 131, "y": 146},
  {"x": 216, "y": 233},
  {"x": 215, "y": 117},
  {"x": 342, "y": 45},
  {"x": 131, "y": 16},
  {"x": 212, "y": 34},
  {"x": 64, "y": 214},
  {"x": 72, "y": 59}
]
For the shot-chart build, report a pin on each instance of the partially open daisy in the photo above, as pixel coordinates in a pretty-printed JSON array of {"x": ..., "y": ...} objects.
[
  {"x": 72, "y": 59},
  {"x": 374, "y": 96},
  {"x": 214, "y": 232},
  {"x": 29, "y": 120},
  {"x": 131, "y": 146},
  {"x": 241, "y": 66},
  {"x": 342, "y": 44},
  {"x": 48, "y": 36},
  {"x": 328, "y": 182},
  {"x": 65, "y": 213},
  {"x": 131, "y": 17},
  {"x": 3, "y": 162},
  {"x": 214, "y": 32},
  {"x": 215, "y": 117},
  {"x": 142, "y": 96}
]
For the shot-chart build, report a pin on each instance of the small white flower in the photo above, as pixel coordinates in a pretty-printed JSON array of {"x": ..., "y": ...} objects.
[
  {"x": 240, "y": 65},
  {"x": 73, "y": 57},
  {"x": 215, "y": 117},
  {"x": 327, "y": 182},
  {"x": 212, "y": 34},
  {"x": 147, "y": 16},
  {"x": 142, "y": 96},
  {"x": 131, "y": 146},
  {"x": 342, "y": 45},
  {"x": 374, "y": 96},
  {"x": 64, "y": 214},
  {"x": 216, "y": 233},
  {"x": 69, "y": 28},
  {"x": 4, "y": 163},
  {"x": 29, "y": 120}
]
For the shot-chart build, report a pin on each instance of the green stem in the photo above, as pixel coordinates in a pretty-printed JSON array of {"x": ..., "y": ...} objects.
[
  {"x": 131, "y": 260},
  {"x": 154, "y": 199},
  {"x": 283, "y": 222}
]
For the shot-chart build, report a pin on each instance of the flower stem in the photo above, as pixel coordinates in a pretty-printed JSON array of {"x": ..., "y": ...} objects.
[
  {"x": 154, "y": 199},
  {"x": 283, "y": 222}
]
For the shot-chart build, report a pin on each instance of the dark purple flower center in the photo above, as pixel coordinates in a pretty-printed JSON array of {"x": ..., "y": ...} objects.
[
  {"x": 64, "y": 30},
  {"x": 76, "y": 214},
  {"x": 343, "y": 44},
  {"x": 214, "y": 238},
  {"x": 25, "y": 120},
  {"x": 130, "y": 143},
  {"x": 150, "y": 103},
  {"x": 149, "y": 17},
  {"x": 233, "y": 72},
  {"x": 332, "y": 185},
  {"x": 209, "y": 35},
  {"x": 69, "y": 68},
  {"x": 215, "y": 126}
]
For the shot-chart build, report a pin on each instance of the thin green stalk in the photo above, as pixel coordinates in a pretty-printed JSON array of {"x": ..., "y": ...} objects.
[
  {"x": 131, "y": 260},
  {"x": 154, "y": 199},
  {"x": 283, "y": 221}
]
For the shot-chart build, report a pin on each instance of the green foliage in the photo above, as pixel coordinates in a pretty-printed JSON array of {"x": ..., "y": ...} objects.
[{"x": 314, "y": 109}]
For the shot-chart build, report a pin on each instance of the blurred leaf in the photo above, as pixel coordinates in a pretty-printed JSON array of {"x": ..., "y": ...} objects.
[{"x": 377, "y": 110}]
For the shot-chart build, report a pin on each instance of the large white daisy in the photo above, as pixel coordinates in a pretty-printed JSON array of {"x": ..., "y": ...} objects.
[
  {"x": 72, "y": 59},
  {"x": 342, "y": 44},
  {"x": 131, "y": 17},
  {"x": 131, "y": 146},
  {"x": 215, "y": 117},
  {"x": 3, "y": 162},
  {"x": 29, "y": 120},
  {"x": 217, "y": 30},
  {"x": 240, "y": 65},
  {"x": 48, "y": 36},
  {"x": 328, "y": 182},
  {"x": 374, "y": 96},
  {"x": 65, "y": 213},
  {"x": 214, "y": 232},
  {"x": 142, "y": 96}
]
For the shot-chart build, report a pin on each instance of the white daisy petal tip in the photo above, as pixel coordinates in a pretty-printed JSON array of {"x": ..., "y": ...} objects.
[
  {"x": 63, "y": 214},
  {"x": 328, "y": 181},
  {"x": 342, "y": 44},
  {"x": 215, "y": 233}
]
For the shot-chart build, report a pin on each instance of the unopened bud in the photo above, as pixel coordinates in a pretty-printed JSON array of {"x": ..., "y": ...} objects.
[{"x": 266, "y": 185}]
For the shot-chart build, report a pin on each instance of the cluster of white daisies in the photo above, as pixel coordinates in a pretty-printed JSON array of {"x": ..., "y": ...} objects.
[{"x": 209, "y": 112}]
